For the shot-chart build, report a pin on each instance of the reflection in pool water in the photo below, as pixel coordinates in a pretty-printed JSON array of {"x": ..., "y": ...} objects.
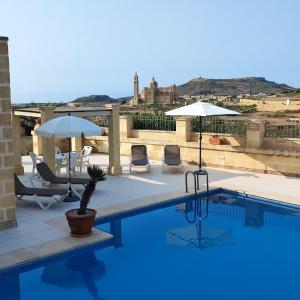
[{"x": 77, "y": 272}]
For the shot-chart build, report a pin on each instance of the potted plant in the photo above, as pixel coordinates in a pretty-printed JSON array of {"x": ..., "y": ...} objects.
[
  {"x": 81, "y": 220},
  {"x": 216, "y": 140}
]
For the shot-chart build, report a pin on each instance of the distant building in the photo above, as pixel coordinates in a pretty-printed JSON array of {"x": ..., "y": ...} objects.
[
  {"x": 136, "y": 100},
  {"x": 153, "y": 94}
]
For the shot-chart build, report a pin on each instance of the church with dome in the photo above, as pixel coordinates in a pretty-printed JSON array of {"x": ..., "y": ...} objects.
[{"x": 153, "y": 94}]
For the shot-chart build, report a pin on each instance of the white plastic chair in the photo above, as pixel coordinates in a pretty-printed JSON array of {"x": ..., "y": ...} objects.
[
  {"x": 75, "y": 166},
  {"x": 35, "y": 159},
  {"x": 84, "y": 156},
  {"x": 61, "y": 160},
  {"x": 74, "y": 162}
]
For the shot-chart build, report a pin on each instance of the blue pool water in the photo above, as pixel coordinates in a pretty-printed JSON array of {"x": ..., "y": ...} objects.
[{"x": 247, "y": 248}]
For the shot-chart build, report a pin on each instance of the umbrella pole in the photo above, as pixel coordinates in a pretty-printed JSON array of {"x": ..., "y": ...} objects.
[
  {"x": 200, "y": 142},
  {"x": 71, "y": 197}
]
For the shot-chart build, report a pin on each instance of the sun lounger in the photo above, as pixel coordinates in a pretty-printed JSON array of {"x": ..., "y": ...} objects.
[
  {"x": 139, "y": 157},
  {"x": 56, "y": 195},
  {"x": 47, "y": 175},
  {"x": 171, "y": 157}
]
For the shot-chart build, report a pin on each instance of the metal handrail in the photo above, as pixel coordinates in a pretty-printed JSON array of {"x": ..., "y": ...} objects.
[{"x": 196, "y": 207}]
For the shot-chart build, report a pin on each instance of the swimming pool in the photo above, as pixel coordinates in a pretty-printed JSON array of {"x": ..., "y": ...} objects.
[{"x": 247, "y": 248}]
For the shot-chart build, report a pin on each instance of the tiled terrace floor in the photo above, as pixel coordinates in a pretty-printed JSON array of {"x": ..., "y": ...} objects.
[{"x": 36, "y": 226}]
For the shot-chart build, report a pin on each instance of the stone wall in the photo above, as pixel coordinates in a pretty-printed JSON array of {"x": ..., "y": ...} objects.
[
  {"x": 244, "y": 153},
  {"x": 7, "y": 196},
  {"x": 281, "y": 143},
  {"x": 27, "y": 145}
]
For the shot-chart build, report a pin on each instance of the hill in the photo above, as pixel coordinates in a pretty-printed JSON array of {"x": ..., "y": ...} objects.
[
  {"x": 233, "y": 87},
  {"x": 101, "y": 99},
  {"x": 94, "y": 98}
]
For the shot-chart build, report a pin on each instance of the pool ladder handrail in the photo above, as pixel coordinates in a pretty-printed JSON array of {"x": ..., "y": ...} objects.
[{"x": 197, "y": 209}]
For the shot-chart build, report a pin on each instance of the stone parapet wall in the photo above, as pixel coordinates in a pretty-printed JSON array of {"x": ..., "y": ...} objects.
[
  {"x": 229, "y": 139},
  {"x": 27, "y": 145},
  {"x": 244, "y": 153},
  {"x": 154, "y": 135},
  {"x": 99, "y": 143},
  {"x": 224, "y": 156},
  {"x": 281, "y": 143}
]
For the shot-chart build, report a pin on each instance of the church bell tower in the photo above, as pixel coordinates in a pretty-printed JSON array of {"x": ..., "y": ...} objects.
[{"x": 136, "y": 89}]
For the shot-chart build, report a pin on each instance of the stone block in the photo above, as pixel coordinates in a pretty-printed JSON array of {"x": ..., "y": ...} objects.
[
  {"x": 183, "y": 130},
  {"x": 19, "y": 170},
  {"x": 8, "y": 161},
  {"x": 6, "y": 174},
  {"x": 114, "y": 170},
  {"x": 76, "y": 144},
  {"x": 2, "y": 214},
  {"x": 9, "y": 187},
  {"x": 5, "y": 119},
  {"x": 6, "y": 133},
  {"x": 5, "y": 92},
  {"x": 255, "y": 133},
  {"x": 2, "y": 147},
  {"x": 5, "y": 106},
  {"x": 3, "y": 48},
  {"x": 8, "y": 224},
  {"x": 4, "y": 77},
  {"x": 7, "y": 201},
  {"x": 126, "y": 126},
  {"x": 9, "y": 147},
  {"x": 10, "y": 214},
  {"x": 4, "y": 63}
]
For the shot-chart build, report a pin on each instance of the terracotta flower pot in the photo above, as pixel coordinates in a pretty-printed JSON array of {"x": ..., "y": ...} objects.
[
  {"x": 81, "y": 225},
  {"x": 215, "y": 141}
]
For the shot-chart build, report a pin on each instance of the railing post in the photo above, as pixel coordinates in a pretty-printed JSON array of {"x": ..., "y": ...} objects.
[
  {"x": 114, "y": 167},
  {"x": 77, "y": 143},
  {"x": 36, "y": 141},
  {"x": 183, "y": 130},
  {"x": 48, "y": 144},
  {"x": 255, "y": 133},
  {"x": 126, "y": 126}
]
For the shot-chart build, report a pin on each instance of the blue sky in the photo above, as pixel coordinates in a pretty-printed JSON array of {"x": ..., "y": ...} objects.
[{"x": 63, "y": 49}]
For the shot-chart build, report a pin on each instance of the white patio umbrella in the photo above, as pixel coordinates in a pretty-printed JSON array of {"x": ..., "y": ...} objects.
[
  {"x": 68, "y": 127},
  {"x": 201, "y": 109}
]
